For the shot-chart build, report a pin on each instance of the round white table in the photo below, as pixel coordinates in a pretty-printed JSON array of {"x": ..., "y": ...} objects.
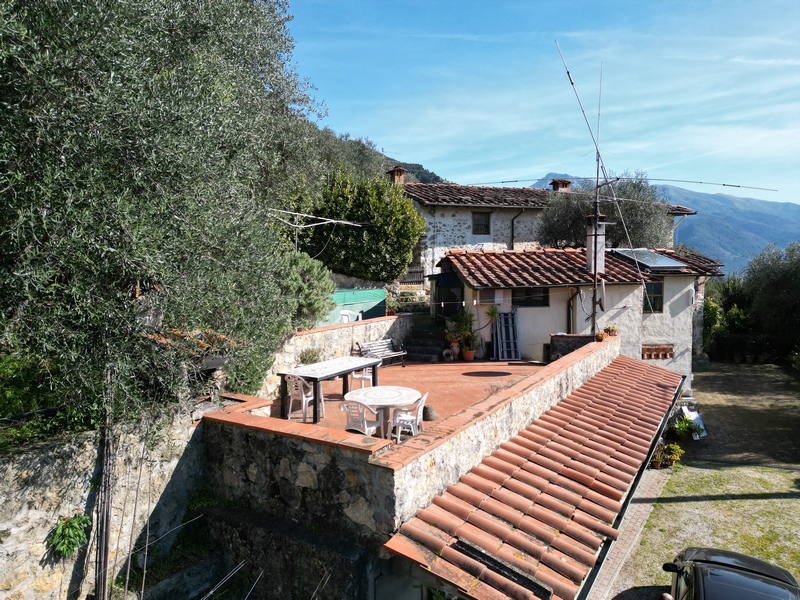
[{"x": 384, "y": 397}]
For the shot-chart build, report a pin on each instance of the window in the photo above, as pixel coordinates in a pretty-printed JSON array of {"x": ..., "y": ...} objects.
[
  {"x": 480, "y": 223},
  {"x": 489, "y": 296},
  {"x": 654, "y": 297},
  {"x": 530, "y": 296}
]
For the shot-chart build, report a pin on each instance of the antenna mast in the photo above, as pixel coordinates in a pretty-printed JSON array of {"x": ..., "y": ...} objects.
[{"x": 600, "y": 166}]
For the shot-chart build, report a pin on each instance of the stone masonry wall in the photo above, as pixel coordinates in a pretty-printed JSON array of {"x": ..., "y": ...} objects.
[
  {"x": 39, "y": 485},
  {"x": 360, "y": 493}
]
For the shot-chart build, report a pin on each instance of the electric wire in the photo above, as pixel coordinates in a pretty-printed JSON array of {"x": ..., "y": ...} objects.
[
  {"x": 254, "y": 585},
  {"x": 224, "y": 580}
]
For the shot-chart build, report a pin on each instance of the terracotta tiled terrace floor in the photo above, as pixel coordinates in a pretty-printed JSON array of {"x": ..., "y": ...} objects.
[{"x": 451, "y": 386}]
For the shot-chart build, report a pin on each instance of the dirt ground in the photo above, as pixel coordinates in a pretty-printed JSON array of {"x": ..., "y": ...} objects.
[{"x": 738, "y": 488}]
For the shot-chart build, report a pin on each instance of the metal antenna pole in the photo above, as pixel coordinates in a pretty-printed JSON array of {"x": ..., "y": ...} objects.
[{"x": 596, "y": 220}]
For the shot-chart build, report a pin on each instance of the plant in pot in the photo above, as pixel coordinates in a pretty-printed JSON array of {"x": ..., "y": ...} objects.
[
  {"x": 454, "y": 339},
  {"x": 665, "y": 455},
  {"x": 684, "y": 427},
  {"x": 610, "y": 329},
  {"x": 392, "y": 305},
  {"x": 470, "y": 344}
]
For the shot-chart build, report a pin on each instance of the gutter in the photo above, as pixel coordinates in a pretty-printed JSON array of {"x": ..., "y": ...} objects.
[{"x": 584, "y": 592}]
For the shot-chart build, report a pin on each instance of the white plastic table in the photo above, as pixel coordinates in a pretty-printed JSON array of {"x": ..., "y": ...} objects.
[
  {"x": 327, "y": 369},
  {"x": 384, "y": 397}
]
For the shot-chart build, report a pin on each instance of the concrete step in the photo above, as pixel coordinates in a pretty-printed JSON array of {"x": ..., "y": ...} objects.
[
  {"x": 412, "y": 346},
  {"x": 426, "y": 358}
]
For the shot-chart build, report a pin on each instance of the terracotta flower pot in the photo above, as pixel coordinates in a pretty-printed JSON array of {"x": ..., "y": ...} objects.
[{"x": 468, "y": 354}]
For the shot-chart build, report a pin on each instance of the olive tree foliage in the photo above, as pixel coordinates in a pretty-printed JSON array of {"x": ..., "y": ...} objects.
[
  {"x": 382, "y": 247},
  {"x": 638, "y": 218},
  {"x": 142, "y": 146},
  {"x": 771, "y": 281}
]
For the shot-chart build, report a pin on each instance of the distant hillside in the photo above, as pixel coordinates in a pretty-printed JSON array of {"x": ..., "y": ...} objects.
[{"x": 726, "y": 228}]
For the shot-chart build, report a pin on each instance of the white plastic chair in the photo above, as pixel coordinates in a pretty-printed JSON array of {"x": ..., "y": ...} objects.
[
  {"x": 362, "y": 418},
  {"x": 349, "y": 316},
  {"x": 408, "y": 417},
  {"x": 366, "y": 374},
  {"x": 300, "y": 389}
]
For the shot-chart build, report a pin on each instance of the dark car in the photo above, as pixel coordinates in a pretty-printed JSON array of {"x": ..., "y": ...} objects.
[{"x": 709, "y": 574}]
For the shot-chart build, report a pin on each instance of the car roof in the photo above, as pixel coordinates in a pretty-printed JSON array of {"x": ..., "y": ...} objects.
[
  {"x": 742, "y": 562},
  {"x": 725, "y": 583}
]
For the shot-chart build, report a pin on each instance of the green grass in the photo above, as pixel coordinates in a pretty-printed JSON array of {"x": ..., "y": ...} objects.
[{"x": 753, "y": 510}]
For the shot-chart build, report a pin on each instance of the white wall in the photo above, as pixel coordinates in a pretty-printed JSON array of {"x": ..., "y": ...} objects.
[{"x": 623, "y": 304}]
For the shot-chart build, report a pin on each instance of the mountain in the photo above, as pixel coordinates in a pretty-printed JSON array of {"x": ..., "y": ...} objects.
[
  {"x": 726, "y": 228},
  {"x": 731, "y": 229}
]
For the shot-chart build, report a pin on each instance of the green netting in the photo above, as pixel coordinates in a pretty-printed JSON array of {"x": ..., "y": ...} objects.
[{"x": 368, "y": 303}]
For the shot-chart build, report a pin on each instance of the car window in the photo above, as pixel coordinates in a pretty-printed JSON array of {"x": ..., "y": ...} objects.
[{"x": 685, "y": 585}]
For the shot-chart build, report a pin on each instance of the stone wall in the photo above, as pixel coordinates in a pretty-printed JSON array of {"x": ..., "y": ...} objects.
[
  {"x": 60, "y": 478},
  {"x": 322, "y": 476}
]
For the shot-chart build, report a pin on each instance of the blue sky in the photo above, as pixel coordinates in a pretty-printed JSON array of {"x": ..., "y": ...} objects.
[{"x": 477, "y": 92}]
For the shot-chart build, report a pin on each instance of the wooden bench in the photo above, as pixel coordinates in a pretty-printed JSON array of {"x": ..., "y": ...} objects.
[{"x": 384, "y": 349}]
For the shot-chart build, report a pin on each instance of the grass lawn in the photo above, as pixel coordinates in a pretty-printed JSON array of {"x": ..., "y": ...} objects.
[{"x": 749, "y": 509}]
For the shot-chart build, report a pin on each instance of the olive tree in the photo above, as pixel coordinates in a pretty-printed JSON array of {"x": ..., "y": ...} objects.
[
  {"x": 143, "y": 145},
  {"x": 636, "y": 210}
]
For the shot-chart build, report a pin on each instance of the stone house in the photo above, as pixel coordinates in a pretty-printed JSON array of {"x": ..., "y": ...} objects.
[
  {"x": 651, "y": 296},
  {"x": 464, "y": 217}
]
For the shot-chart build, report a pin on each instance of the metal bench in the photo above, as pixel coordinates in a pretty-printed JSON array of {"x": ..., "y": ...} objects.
[{"x": 384, "y": 349}]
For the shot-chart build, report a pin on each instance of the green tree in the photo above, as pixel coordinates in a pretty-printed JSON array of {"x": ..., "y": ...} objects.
[
  {"x": 382, "y": 247},
  {"x": 772, "y": 282},
  {"x": 639, "y": 215},
  {"x": 143, "y": 145}
]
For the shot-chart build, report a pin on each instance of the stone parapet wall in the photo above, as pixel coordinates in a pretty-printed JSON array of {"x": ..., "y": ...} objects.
[
  {"x": 489, "y": 424},
  {"x": 60, "y": 479}
]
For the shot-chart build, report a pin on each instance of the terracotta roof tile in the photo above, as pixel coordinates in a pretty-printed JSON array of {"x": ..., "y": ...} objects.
[
  {"x": 550, "y": 267},
  {"x": 535, "y": 513}
]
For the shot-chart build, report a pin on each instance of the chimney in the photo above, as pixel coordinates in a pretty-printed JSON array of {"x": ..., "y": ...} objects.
[
  {"x": 561, "y": 185},
  {"x": 601, "y": 244},
  {"x": 397, "y": 175}
]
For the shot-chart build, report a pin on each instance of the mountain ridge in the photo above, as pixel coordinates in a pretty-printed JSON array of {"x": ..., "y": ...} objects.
[{"x": 726, "y": 228}]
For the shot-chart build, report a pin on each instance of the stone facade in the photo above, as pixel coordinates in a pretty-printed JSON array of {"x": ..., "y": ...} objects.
[{"x": 450, "y": 228}]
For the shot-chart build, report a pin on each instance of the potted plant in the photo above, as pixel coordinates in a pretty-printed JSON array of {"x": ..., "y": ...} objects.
[
  {"x": 665, "y": 455},
  {"x": 610, "y": 329},
  {"x": 470, "y": 344},
  {"x": 391, "y": 305},
  {"x": 600, "y": 336},
  {"x": 684, "y": 427},
  {"x": 454, "y": 339}
]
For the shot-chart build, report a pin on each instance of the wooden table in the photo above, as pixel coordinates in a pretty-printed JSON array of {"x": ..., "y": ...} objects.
[
  {"x": 384, "y": 397},
  {"x": 327, "y": 369}
]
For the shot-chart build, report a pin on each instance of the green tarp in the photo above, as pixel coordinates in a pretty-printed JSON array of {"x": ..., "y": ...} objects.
[{"x": 369, "y": 303}]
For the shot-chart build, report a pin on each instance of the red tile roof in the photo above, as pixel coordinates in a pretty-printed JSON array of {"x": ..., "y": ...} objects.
[
  {"x": 532, "y": 517},
  {"x": 451, "y": 194},
  {"x": 557, "y": 267}
]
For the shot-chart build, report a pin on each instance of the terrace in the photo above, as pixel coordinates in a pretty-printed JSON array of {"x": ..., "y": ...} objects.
[{"x": 592, "y": 413}]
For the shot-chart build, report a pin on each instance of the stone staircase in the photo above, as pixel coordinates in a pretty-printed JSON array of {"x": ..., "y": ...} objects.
[
  {"x": 413, "y": 299},
  {"x": 427, "y": 340}
]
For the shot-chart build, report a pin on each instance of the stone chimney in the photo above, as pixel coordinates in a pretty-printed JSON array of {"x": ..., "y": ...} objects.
[
  {"x": 397, "y": 175},
  {"x": 561, "y": 185},
  {"x": 601, "y": 244}
]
